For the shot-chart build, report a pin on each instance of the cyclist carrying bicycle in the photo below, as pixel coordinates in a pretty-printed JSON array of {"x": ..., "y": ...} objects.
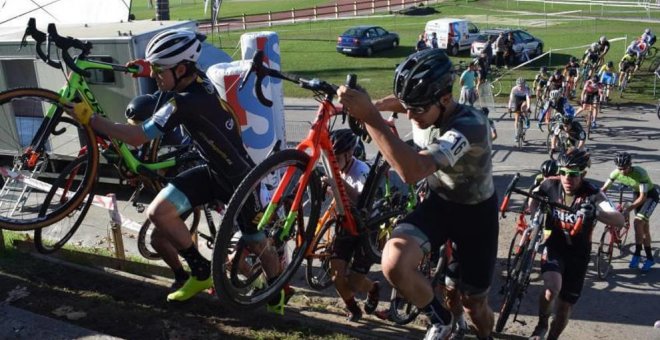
[
  {"x": 607, "y": 78},
  {"x": 457, "y": 165},
  {"x": 566, "y": 257},
  {"x": 541, "y": 81},
  {"x": 591, "y": 93},
  {"x": 572, "y": 75},
  {"x": 519, "y": 103},
  {"x": 347, "y": 248},
  {"x": 646, "y": 197},
  {"x": 637, "y": 48},
  {"x": 576, "y": 137},
  {"x": 559, "y": 104},
  {"x": 171, "y": 60},
  {"x": 648, "y": 37}
]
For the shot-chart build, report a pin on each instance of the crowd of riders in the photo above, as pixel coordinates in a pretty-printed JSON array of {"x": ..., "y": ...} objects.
[{"x": 455, "y": 161}]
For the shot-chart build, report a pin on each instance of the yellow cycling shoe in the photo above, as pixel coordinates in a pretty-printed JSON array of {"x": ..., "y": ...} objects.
[{"x": 190, "y": 289}]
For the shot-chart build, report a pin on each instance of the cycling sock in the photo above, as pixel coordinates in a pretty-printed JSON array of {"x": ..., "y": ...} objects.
[
  {"x": 649, "y": 253},
  {"x": 638, "y": 250},
  {"x": 180, "y": 274},
  {"x": 350, "y": 302},
  {"x": 436, "y": 313},
  {"x": 199, "y": 266}
]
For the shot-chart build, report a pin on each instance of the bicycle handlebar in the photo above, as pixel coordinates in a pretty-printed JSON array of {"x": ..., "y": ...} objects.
[
  {"x": 543, "y": 199},
  {"x": 62, "y": 43}
]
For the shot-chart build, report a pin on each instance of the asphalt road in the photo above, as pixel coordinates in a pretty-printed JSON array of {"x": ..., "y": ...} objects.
[{"x": 623, "y": 306}]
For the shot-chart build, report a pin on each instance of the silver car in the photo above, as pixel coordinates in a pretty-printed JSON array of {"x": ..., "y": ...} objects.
[{"x": 525, "y": 45}]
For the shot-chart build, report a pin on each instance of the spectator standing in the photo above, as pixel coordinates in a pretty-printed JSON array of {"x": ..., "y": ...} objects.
[
  {"x": 500, "y": 48},
  {"x": 421, "y": 43},
  {"x": 434, "y": 40},
  {"x": 468, "y": 86},
  {"x": 509, "y": 54}
]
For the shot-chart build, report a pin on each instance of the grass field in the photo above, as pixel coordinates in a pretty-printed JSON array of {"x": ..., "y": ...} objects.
[{"x": 308, "y": 48}]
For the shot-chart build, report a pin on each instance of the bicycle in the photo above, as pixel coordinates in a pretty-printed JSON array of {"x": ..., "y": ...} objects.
[
  {"x": 518, "y": 279},
  {"x": 377, "y": 195},
  {"x": 540, "y": 102},
  {"x": 612, "y": 237},
  {"x": 55, "y": 208},
  {"x": 625, "y": 79},
  {"x": 293, "y": 172},
  {"x": 521, "y": 125}
]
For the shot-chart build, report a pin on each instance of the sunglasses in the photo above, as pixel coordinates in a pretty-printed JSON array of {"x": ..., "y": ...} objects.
[
  {"x": 160, "y": 69},
  {"x": 624, "y": 168},
  {"x": 570, "y": 173},
  {"x": 417, "y": 110}
]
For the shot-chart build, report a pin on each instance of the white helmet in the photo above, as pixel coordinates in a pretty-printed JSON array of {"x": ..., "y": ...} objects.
[
  {"x": 172, "y": 47},
  {"x": 555, "y": 94},
  {"x": 594, "y": 46}
]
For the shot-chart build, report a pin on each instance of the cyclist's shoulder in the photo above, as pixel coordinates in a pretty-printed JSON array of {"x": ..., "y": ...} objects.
[{"x": 639, "y": 171}]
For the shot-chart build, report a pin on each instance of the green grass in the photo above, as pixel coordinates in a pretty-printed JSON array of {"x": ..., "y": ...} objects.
[
  {"x": 194, "y": 9},
  {"x": 308, "y": 49}
]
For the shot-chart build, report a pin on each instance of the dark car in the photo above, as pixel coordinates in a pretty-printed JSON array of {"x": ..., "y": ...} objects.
[
  {"x": 524, "y": 44},
  {"x": 365, "y": 40}
]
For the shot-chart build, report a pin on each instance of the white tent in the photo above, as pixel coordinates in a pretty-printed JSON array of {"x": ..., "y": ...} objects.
[{"x": 15, "y": 13}]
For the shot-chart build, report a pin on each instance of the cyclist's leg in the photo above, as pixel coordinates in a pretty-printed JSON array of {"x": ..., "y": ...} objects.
[
  {"x": 642, "y": 217},
  {"x": 338, "y": 269},
  {"x": 414, "y": 236},
  {"x": 476, "y": 250},
  {"x": 574, "y": 272},
  {"x": 552, "y": 282},
  {"x": 170, "y": 256}
]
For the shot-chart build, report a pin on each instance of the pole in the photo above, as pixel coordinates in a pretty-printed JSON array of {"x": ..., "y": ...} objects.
[
  {"x": 115, "y": 226},
  {"x": 2, "y": 236},
  {"x": 162, "y": 10}
]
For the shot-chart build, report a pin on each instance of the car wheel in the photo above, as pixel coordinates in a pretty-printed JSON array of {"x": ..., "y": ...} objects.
[
  {"x": 453, "y": 50},
  {"x": 369, "y": 52},
  {"x": 395, "y": 44}
]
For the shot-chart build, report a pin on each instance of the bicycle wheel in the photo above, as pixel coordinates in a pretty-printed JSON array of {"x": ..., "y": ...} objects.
[
  {"x": 515, "y": 251},
  {"x": 624, "y": 84},
  {"x": 39, "y": 149},
  {"x": 511, "y": 296},
  {"x": 496, "y": 88},
  {"x": 401, "y": 311},
  {"x": 588, "y": 121},
  {"x": 537, "y": 109},
  {"x": 317, "y": 271},
  {"x": 231, "y": 274},
  {"x": 657, "y": 110},
  {"x": 604, "y": 254},
  {"x": 519, "y": 131},
  {"x": 378, "y": 230},
  {"x": 144, "y": 235},
  {"x": 53, "y": 237}
]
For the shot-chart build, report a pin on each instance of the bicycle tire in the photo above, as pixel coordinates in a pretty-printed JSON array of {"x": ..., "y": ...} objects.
[
  {"x": 317, "y": 274},
  {"x": 496, "y": 88},
  {"x": 514, "y": 253},
  {"x": 510, "y": 298},
  {"x": 519, "y": 131},
  {"x": 652, "y": 52},
  {"x": 144, "y": 247},
  {"x": 624, "y": 237},
  {"x": 654, "y": 65},
  {"x": 229, "y": 287},
  {"x": 373, "y": 240},
  {"x": 402, "y": 311},
  {"x": 657, "y": 110},
  {"x": 588, "y": 121},
  {"x": 604, "y": 254},
  {"x": 20, "y": 204},
  {"x": 51, "y": 238}
]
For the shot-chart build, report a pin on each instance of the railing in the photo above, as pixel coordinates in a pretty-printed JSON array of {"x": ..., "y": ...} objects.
[{"x": 361, "y": 7}]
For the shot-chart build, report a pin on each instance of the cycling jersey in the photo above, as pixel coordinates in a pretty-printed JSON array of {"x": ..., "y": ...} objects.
[
  {"x": 556, "y": 83},
  {"x": 591, "y": 87},
  {"x": 603, "y": 47},
  {"x": 518, "y": 96},
  {"x": 461, "y": 147},
  {"x": 638, "y": 179},
  {"x": 565, "y": 254},
  {"x": 607, "y": 75},
  {"x": 571, "y": 69},
  {"x": 541, "y": 80},
  {"x": 591, "y": 57},
  {"x": 561, "y": 106},
  {"x": 211, "y": 124},
  {"x": 575, "y": 132}
]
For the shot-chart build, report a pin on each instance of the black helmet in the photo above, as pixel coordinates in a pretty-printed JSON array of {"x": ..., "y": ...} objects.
[
  {"x": 422, "y": 77},
  {"x": 594, "y": 78},
  {"x": 142, "y": 107},
  {"x": 557, "y": 72},
  {"x": 343, "y": 140},
  {"x": 575, "y": 158},
  {"x": 622, "y": 159},
  {"x": 610, "y": 64},
  {"x": 566, "y": 119},
  {"x": 549, "y": 168},
  {"x": 573, "y": 59},
  {"x": 544, "y": 69}
]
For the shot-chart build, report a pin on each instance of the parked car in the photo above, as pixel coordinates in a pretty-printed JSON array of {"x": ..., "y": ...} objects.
[
  {"x": 524, "y": 44},
  {"x": 365, "y": 40}
]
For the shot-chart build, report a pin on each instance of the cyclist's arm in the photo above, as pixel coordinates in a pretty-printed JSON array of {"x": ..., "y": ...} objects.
[
  {"x": 132, "y": 134},
  {"x": 410, "y": 165},
  {"x": 510, "y": 106},
  {"x": 389, "y": 103},
  {"x": 606, "y": 213},
  {"x": 607, "y": 185}
]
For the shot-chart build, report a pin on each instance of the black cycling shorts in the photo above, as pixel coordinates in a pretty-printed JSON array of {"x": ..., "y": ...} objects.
[
  {"x": 645, "y": 210},
  {"x": 571, "y": 266},
  {"x": 572, "y": 72},
  {"x": 201, "y": 186},
  {"x": 592, "y": 98},
  {"x": 351, "y": 249},
  {"x": 473, "y": 227}
]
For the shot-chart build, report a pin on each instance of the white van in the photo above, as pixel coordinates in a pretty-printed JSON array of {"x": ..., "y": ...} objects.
[{"x": 454, "y": 35}]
